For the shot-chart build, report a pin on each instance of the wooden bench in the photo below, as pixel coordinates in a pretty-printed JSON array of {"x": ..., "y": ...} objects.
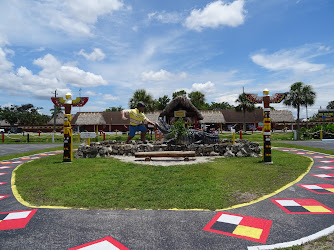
[{"x": 149, "y": 155}]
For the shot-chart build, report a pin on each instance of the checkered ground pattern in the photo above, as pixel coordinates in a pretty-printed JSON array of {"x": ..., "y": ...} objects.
[
  {"x": 319, "y": 188},
  {"x": 329, "y": 177},
  {"x": 302, "y": 206},
  {"x": 249, "y": 228},
  {"x": 107, "y": 243}
]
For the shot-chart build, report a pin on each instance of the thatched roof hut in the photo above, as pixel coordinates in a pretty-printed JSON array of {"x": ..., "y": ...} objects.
[
  {"x": 89, "y": 118},
  {"x": 153, "y": 116},
  {"x": 181, "y": 103},
  {"x": 232, "y": 116},
  {"x": 115, "y": 118},
  {"x": 212, "y": 117},
  {"x": 281, "y": 116},
  {"x": 59, "y": 120}
]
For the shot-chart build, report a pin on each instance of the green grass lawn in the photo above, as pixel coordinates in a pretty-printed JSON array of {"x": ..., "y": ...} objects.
[
  {"x": 110, "y": 183},
  {"x": 257, "y": 136}
]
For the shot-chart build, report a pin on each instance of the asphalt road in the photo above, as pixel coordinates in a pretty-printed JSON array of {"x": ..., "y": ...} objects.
[
  {"x": 313, "y": 144},
  {"x": 8, "y": 149},
  {"x": 162, "y": 229}
]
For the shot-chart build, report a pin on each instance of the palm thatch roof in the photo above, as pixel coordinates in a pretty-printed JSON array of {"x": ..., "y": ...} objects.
[
  {"x": 181, "y": 103},
  {"x": 115, "y": 118},
  {"x": 59, "y": 119},
  {"x": 232, "y": 116},
  {"x": 89, "y": 118},
  {"x": 153, "y": 116},
  {"x": 212, "y": 116},
  {"x": 281, "y": 116}
]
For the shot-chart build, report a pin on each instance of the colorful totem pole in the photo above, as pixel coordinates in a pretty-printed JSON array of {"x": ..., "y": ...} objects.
[
  {"x": 266, "y": 99},
  {"x": 68, "y": 131}
]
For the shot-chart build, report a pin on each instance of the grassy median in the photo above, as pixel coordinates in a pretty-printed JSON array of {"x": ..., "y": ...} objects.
[{"x": 110, "y": 183}]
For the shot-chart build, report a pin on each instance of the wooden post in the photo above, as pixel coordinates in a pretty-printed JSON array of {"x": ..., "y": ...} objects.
[
  {"x": 104, "y": 136},
  {"x": 3, "y": 137},
  {"x": 240, "y": 134},
  {"x": 321, "y": 134},
  {"x": 88, "y": 141},
  {"x": 266, "y": 127}
]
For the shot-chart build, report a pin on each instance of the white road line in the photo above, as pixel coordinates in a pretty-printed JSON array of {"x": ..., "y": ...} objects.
[{"x": 299, "y": 242}]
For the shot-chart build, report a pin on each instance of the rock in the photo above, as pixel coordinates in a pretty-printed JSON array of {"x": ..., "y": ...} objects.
[
  {"x": 103, "y": 152},
  {"x": 229, "y": 153},
  {"x": 214, "y": 154},
  {"x": 242, "y": 148}
]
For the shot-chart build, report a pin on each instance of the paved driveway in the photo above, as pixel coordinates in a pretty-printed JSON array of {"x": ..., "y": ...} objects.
[
  {"x": 313, "y": 144},
  {"x": 303, "y": 209},
  {"x": 8, "y": 149}
]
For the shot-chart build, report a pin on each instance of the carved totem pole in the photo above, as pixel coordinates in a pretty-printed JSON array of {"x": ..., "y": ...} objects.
[
  {"x": 68, "y": 131},
  {"x": 266, "y": 99}
]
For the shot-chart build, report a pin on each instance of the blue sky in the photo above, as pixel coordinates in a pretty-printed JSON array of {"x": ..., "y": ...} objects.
[{"x": 110, "y": 48}]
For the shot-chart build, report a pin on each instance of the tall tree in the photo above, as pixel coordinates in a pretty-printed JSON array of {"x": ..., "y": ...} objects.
[
  {"x": 309, "y": 98},
  {"x": 197, "y": 98},
  {"x": 55, "y": 111},
  {"x": 330, "y": 105},
  {"x": 119, "y": 108},
  {"x": 218, "y": 106},
  {"x": 141, "y": 95},
  {"x": 178, "y": 93},
  {"x": 244, "y": 105},
  {"x": 25, "y": 114},
  {"x": 10, "y": 114},
  {"x": 162, "y": 102},
  {"x": 295, "y": 99}
]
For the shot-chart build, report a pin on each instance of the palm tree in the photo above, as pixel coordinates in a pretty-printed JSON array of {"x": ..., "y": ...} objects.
[
  {"x": 56, "y": 110},
  {"x": 309, "y": 98},
  {"x": 197, "y": 98},
  {"x": 244, "y": 106},
  {"x": 330, "y": 105},
  {"x": 140, "y": 95},
  {"x": 162, "y": 102},
  {"x": 295, "y": 99}
]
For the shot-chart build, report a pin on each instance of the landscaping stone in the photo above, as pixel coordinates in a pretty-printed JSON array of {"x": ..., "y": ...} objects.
[{"x": 242, "y": 148}]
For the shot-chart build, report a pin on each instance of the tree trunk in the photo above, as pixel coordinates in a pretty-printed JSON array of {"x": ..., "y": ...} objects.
[
  {"x": 244, "y": 120},
  {"x": 298, "y": 125},
  {"x": 306, "y": 117}
]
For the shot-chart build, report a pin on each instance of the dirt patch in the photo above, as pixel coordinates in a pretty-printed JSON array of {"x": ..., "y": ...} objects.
[
  {"x": 244, "y": 197},
  {"x": 323, "y": 243},
  {"x": 165, "y": 161}
]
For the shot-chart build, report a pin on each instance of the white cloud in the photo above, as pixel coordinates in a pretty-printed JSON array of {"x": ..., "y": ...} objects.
[
  {"x": 5, "y": 65},
  {"x": 78, "y": 17},
  {"x": 109, "y": 97},
  {"x": 297, "y": 60},
  {"x": 161, "y": 76},
  {"x": 96, "y": 55},
  {"x": 91, "y": 93},
  {"x": 206, "y": 88},
  {"x": 74, "y": 17},
  {"x": 165, "y": 17},
  {"x": 54, "y": 75},
  {"x": 228, "y": 98},
  {"x": 89, "y": 11},
  {"x": 3, "y": 40},
  {"x": 217, "y": 14}
]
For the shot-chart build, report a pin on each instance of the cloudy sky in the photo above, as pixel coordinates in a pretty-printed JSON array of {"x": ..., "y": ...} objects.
[{"x": 110, "y": 48}]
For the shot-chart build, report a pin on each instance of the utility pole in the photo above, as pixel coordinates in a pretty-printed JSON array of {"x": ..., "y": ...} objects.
[{"x": 54, "y": 113}]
